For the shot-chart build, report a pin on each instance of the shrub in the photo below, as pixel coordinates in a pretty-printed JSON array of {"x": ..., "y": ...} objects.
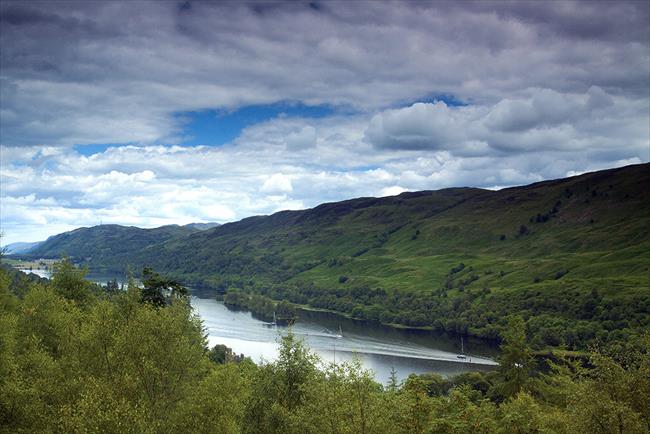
[{"x": 560, "y": 273}]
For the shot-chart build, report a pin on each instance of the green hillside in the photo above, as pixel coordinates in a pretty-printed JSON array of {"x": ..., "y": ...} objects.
[
  {"x": 104, "y": 247},
  {"x": 572, "y": 256}
]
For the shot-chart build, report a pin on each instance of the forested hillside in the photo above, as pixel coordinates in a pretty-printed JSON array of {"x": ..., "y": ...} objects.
[
  {"x": 571, "y": 256},
  {"x": 106, "y": 246},
  {"x": 75, "y": 357}
]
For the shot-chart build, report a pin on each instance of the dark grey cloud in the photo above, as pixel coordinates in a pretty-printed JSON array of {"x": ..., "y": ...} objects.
[
  {"x": 587, "y": 20},
  {"x": 542, "y": 121},
  {"x": 70, "y": 67}
]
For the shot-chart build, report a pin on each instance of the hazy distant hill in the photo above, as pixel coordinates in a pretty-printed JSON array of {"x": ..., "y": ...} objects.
[
  {"x": 202, "y": 226},
  {"x": 571, "y": 255},
  {"x": 20, "y": 248}
]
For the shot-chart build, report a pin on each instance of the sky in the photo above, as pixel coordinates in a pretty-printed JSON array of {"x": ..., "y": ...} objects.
[{"x": 170, "y": 112}]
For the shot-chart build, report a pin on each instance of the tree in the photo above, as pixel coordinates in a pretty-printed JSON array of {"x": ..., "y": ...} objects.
[
  {"x": 613, "y": 396},
  {"x": 69, "y": 281},
  {"x": 515, "y": 361},
  {"x": 418, "y": 405},
  {"x": 159, "y": 291},
  {"x": 296, "y": 366},
  {"x": 280, "y": 388},
  {"x": 393, "y": 383},
  {"x": 112, "y": 286}
]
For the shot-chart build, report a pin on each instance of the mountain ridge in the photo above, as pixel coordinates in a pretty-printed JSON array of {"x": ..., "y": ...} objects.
[
  {"x": 20, "y": 247},
  {"x": 456, "y": 259}
]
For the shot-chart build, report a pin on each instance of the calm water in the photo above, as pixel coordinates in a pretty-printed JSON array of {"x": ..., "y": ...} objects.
[
  {"x": 378, "y": 347},
  {"x": 93, "y": 277}
]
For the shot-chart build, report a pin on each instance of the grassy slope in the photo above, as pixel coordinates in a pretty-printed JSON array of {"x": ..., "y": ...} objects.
[
  {"x": 455, "y": 225},
  {"x": 615, "y": 247}
]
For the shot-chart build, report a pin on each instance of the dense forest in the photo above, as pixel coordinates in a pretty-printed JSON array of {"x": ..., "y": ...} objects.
[
  {"x": 260, "y": 306},
  {"x": 77, "y": 357},
  {"x": 570, "y": 256}
]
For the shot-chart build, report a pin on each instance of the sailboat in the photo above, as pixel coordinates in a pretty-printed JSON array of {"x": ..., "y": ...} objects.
[
  {"x": 340, "y": 335},
  {"x": 272, "y": 324},
  {"x": 462, "y": 355}
]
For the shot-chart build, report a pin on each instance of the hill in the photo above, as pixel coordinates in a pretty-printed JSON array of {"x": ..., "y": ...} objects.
[
  {"x": 571, "y": 256},
  {"x": 103, "y": 247},
  {"x": 20, "y": 248},
  {"x": 202, "y": 226}
]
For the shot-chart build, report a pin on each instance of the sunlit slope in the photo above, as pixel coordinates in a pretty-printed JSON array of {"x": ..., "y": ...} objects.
[
  {"x": 593, "y": 228},
  {"x": 291, "y": 244}
]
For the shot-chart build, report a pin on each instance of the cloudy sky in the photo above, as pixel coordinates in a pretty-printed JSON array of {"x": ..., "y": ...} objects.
[{"x": 151, "y": 113}]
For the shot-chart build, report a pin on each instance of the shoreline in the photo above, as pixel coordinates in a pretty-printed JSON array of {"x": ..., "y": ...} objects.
[{"x": 395, "y": 325}]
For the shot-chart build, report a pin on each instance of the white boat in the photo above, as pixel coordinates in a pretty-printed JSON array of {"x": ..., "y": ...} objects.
[
  {"x": 272, "y": 324},
  {"x": 327, "y": 333}
]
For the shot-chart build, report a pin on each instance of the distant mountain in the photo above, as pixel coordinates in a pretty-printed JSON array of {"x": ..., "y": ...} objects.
[
  {"x": 20, "y": 248},
  {"x": 202, "y": 226},
  {"x": 572, "y": 256},
  {"x": 105, "y": 246}
]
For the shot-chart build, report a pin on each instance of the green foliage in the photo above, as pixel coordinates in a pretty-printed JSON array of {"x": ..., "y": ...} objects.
[
  {"x": 69, "y": 281},
  {"x": 221, "y": 354},
  {"x": 279, "y": 388},
  {"x": 114, "y": 364},
  {"x": 346, "y": 399},
  {"x": 457, "y": 414},
  {"x": 216, "y": 405},
  {"x": 102, "y": 366},
  {"x": 261, "y": 306},
  {"x": 159, "y": 291},
  {"x": 613, "y": 396},
  {"x": 515, "y": 361}
]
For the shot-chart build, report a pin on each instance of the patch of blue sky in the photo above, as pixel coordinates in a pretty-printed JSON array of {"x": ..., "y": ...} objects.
[
  {"x": 218, "y": 127},
  {"x": 449, "y": 99},
  {"x": 88, "y": 150}
]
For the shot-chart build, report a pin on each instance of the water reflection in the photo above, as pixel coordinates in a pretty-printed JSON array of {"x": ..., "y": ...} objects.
[
  {"x": 101, "y": 278},
  {"x": 378, "y": 348}
]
